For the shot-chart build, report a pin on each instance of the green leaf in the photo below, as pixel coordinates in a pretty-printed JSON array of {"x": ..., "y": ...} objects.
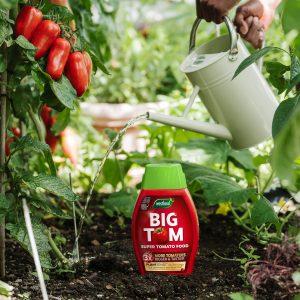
[
  {"x": 113, "y": 170},
  {"x": 64, "y": 91},
  {"x": 111, "y": 134},
  {"x": 24, "y": 43},
  {"x": 240, "y": 296},
  {"x": 62, "y": 12},
  {"x": 219, "y": 189},
  {"x": 5, "y": 30},
  {"x": 287, "y": 147},
  {"x": 5, "y": 289},
  {"x": 50, "y": 99},
  {"x": 3, "y": 63},
  {"x": 293, "y": 83},
  {"x": 276, "y": 72},
  {"x": 98, "y": 63},
  {"x": 7, "y": 4},
  {"x": 24, "y": 95},
  {"x": 242, "y": 159},
  {"x": 44, "y": 203},
  {"x": 283, "y": 113},
  {"x": 53, "y": 185},
  {"x": 19, "y": 233},
  {"x": 120, "y": 203},
  {"x": 295, "y": 66},
  {"x": 210, "y": 151},
  {"x": 62, "y": 120},
  {"x": 290, "y": 16},
  {"x": 27, "y": 143},
  {"x": 263, "y": 212},
  {"x": 5, "y": 205},
  {"x": 252, "y": 58}
]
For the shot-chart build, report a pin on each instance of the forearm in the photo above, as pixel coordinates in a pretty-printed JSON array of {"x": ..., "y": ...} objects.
[{"x": 271, "y": 3}]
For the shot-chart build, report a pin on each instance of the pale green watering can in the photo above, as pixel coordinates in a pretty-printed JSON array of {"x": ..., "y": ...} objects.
[{"x": 243, "y": 108}]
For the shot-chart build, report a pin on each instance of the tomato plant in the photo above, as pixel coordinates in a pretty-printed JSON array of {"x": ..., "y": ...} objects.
[{"x": 36, "y": 42}]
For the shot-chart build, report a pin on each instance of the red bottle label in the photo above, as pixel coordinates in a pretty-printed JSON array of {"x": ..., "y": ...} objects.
[{"x": 166, "y": 235}]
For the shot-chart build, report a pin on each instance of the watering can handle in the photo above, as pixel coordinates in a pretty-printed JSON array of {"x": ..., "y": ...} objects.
[{"x": 233, "y": 52}]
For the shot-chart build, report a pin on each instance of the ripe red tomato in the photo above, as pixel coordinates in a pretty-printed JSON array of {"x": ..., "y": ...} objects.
[
  {"x": 89, "y": 64},
  {"x": 51, "y": 140},
  {"x": 17, "y": 133},
  {"x": 46, "y": 116},
  {"x": 77, "y": 73},
  {"x": 57, "y": 58},
  {"x": 27, "y": 21},
  {"x": 160, "y": 235},
  {"x": 44, "y": 36},
  {"x": 70, "y": 144}
]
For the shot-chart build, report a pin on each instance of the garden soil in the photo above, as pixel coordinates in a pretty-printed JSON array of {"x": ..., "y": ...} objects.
[{"x": 108, "y": 268}]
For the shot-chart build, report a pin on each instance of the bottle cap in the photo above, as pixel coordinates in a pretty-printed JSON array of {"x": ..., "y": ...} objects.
[{"x": 163, "y": 177}]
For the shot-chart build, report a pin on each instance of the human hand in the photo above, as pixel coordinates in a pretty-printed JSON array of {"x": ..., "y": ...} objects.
[
  {"x": 214, "y": 10},
  {"x": 248, "y": 23},
  {"x": 255, "y": 34}
]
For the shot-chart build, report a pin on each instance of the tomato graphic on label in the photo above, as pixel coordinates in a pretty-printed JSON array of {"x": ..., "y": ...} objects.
[{"x": 160, "y": 235}]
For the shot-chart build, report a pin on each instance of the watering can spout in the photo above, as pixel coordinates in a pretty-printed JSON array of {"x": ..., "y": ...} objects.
[{"x": 214, "y": 130}]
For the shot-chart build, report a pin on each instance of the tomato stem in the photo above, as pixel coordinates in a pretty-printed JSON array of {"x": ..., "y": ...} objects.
[
  {"x": 56, "y": 251},
  {"x": 38, "y": 125},
  {"x": 3, "y": 102}
]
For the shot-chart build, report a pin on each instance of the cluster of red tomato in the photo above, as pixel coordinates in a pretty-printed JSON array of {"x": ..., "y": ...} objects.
[
  {"x": 45, "y": 35},
  {"x": 17, "y": 133},
  {"x": 69, "y": 138}
]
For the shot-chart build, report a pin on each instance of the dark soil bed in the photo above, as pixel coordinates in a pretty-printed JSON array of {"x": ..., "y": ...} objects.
[{"x": 109, "y": 269}]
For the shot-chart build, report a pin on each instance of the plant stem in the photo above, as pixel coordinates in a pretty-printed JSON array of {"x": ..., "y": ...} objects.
[
  {"x": 240, "y": 221},
  {"x": 225, "y": 258},
  {"x": 268, "y": 182},
  {"x": 56, "y": 251},
  {"x": 122, "y": 175},
  {"x": 76, "y": 252},
  {"x": 3, "y": 99},
  {"x": 37, "y": 123}
]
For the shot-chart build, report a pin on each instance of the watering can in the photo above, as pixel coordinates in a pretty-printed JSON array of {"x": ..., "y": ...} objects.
[{"x": 242, "y": 108}]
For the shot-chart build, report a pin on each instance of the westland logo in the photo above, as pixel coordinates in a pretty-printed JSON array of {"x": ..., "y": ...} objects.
[{"x": 163, "y": 203}]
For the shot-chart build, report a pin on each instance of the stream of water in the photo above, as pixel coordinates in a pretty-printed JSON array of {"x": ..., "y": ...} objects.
[{"x": 129, "y": 124}]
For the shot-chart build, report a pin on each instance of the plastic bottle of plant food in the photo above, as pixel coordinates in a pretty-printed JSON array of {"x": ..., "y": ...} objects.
[{"x": 165, "y": 229}]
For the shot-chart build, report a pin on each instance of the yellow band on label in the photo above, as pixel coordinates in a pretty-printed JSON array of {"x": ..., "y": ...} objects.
[{"x": 165, "y": 266}]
